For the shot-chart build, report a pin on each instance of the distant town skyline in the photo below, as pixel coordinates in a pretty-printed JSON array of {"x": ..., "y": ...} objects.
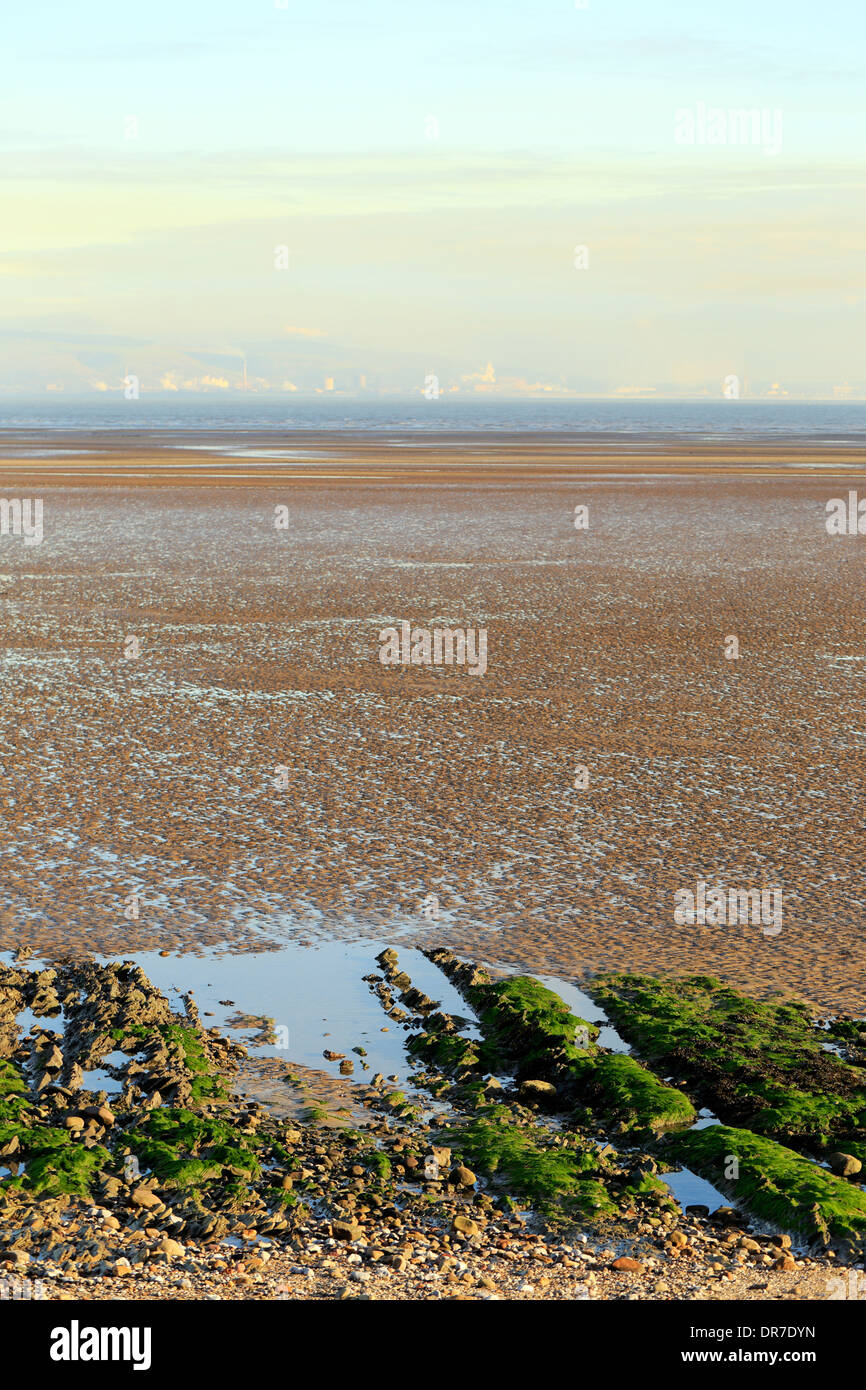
[{"x": 355, "y": 388}]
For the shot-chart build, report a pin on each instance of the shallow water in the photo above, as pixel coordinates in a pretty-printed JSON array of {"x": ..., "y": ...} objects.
[
  {"x": 581, "y": 1005},
  {"x": 690, "y": 1190},
  {"x": 100, "y": 1080},
  {"x": 289, "y": 985}
]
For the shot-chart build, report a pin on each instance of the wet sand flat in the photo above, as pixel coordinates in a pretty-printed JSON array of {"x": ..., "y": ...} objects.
[
  {"x": 255, "y": 773},
  {"x": 201, "y": 458}
]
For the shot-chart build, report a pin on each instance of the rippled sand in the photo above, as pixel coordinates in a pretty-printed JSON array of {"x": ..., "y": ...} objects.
[{"x": 155, "y": 776}]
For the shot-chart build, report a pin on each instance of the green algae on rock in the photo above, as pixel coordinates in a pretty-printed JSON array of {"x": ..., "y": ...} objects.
[
  {"x": 775, "y": 1183},
  {"x": 187, "y": 1150},
  {"x": 757, "y": 1064},
  {"x": 617, "y": 1089},
  {"x": 529, "y": 1027},
  {"x": 562, "y": 1176},
  {"x": 55, "y": 1163},
  {"x": 61, "y": 1138},
  {"x": 524, "y": 1023},
  {"x": 448, "y": 1051}
]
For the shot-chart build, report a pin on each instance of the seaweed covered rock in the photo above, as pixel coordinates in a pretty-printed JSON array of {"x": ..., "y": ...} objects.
[
  {"x": 762, "y": 1065},
  {"x": 524, "y": 1023},
  {"x": 562, "y": 1176},
  {"x": 776, "y": 1183},
  {"x": 59, "y": 1137},
  {"x": 530, "y": 1028},
  {"x": 618, "y": 1089}
]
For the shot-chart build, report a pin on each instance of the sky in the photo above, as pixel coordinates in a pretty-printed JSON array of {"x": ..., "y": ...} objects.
[{"x": 504, "y": 198}]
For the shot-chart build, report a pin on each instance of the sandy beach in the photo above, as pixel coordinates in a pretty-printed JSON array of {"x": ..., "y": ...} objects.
[
  {"x": 254, "y": 774},
  {"x": 256, "y": 457}
]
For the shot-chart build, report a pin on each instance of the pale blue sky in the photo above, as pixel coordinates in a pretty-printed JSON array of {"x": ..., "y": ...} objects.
[{"x": 309, "y": 126}]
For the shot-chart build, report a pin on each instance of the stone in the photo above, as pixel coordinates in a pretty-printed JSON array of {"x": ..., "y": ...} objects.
[
  {"x": 627, "y": 1265},
  {"x": 346, "y": 1230},
  {"x": 464, "y": 1177},
  {"x": 843, "y": 1165},
  {"x": 100, "y": 1113},
  {"x": 465, "y": 1226},
  {"x": 785, "y": 1262},
  {"x": 73, "y": 1122},
  {"x": 143, "y": 1197},
  {"x": 537, "y": 1090},
  {"x": 172, "y": 1248},
  {"x": 726, "y": 1216}
]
